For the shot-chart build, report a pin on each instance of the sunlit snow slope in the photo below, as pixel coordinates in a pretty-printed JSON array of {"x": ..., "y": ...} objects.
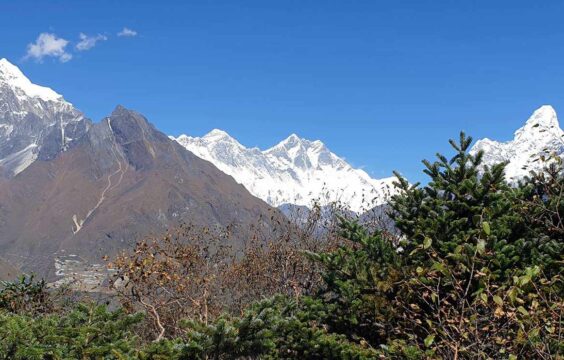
[
  {"x": 296, "y": 171},
  {"x": 541, "y": 135}
]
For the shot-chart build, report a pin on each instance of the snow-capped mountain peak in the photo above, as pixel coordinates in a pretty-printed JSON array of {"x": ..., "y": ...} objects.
[
  {"x": 11, "y": 75},
  {"x": 216, "y": 134},
  {"x": 35, "y": 121},
  {"x": 543, "y": 123},
  {"x": 295, "y": 171},
  {"x": 304, "y": 154},
  {"x": 290, "y": 142},
  {"x": 213, "y": 138},
  {"x": 541, "y": 135}
]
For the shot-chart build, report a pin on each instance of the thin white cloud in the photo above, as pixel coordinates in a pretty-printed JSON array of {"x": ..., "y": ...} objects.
[
  {"x": 127, "y": 32},
  {"x": 65, "y": 57},
  {"x": 88, "y": 42},
  {"x": 48, "y": 45}
]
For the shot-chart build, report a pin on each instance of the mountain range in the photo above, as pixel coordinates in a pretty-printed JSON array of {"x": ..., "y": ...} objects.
[
  {"x": 72, "y": 191},
  {"x": 296, "y": 171}
]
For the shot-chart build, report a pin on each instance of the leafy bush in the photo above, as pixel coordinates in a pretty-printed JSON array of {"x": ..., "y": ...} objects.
[
  {"x": 87, "y": 332},
  {"x": 473, "y": 276}
]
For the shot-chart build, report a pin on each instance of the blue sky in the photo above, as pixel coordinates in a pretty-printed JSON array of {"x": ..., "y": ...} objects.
[{"x": 383, "y": 83}]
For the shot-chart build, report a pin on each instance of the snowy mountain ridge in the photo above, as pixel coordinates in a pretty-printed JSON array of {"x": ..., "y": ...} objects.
[
  {"x": 298, "y": 171},
  {"x": 541, "y": 135},
  {"x": 12, "y": 76},
  {"x": 295, "y": 171},
  {"x": 35, "y": 121}
]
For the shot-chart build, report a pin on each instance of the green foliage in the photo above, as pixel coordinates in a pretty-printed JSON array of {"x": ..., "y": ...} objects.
[
  {"x": 25, "y": 296},
  {"x": 467, "y": 238},
  {"x": 88, "y": 332},
  {"x": 272, "y": 329},
  {"x": 540, "y": 203},
  {"x": 359, "y": 278},
  {"x": 461, "y": 211}
]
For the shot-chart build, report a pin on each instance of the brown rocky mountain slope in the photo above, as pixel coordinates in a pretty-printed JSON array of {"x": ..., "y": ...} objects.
[{"x": 121, "y": 181}]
